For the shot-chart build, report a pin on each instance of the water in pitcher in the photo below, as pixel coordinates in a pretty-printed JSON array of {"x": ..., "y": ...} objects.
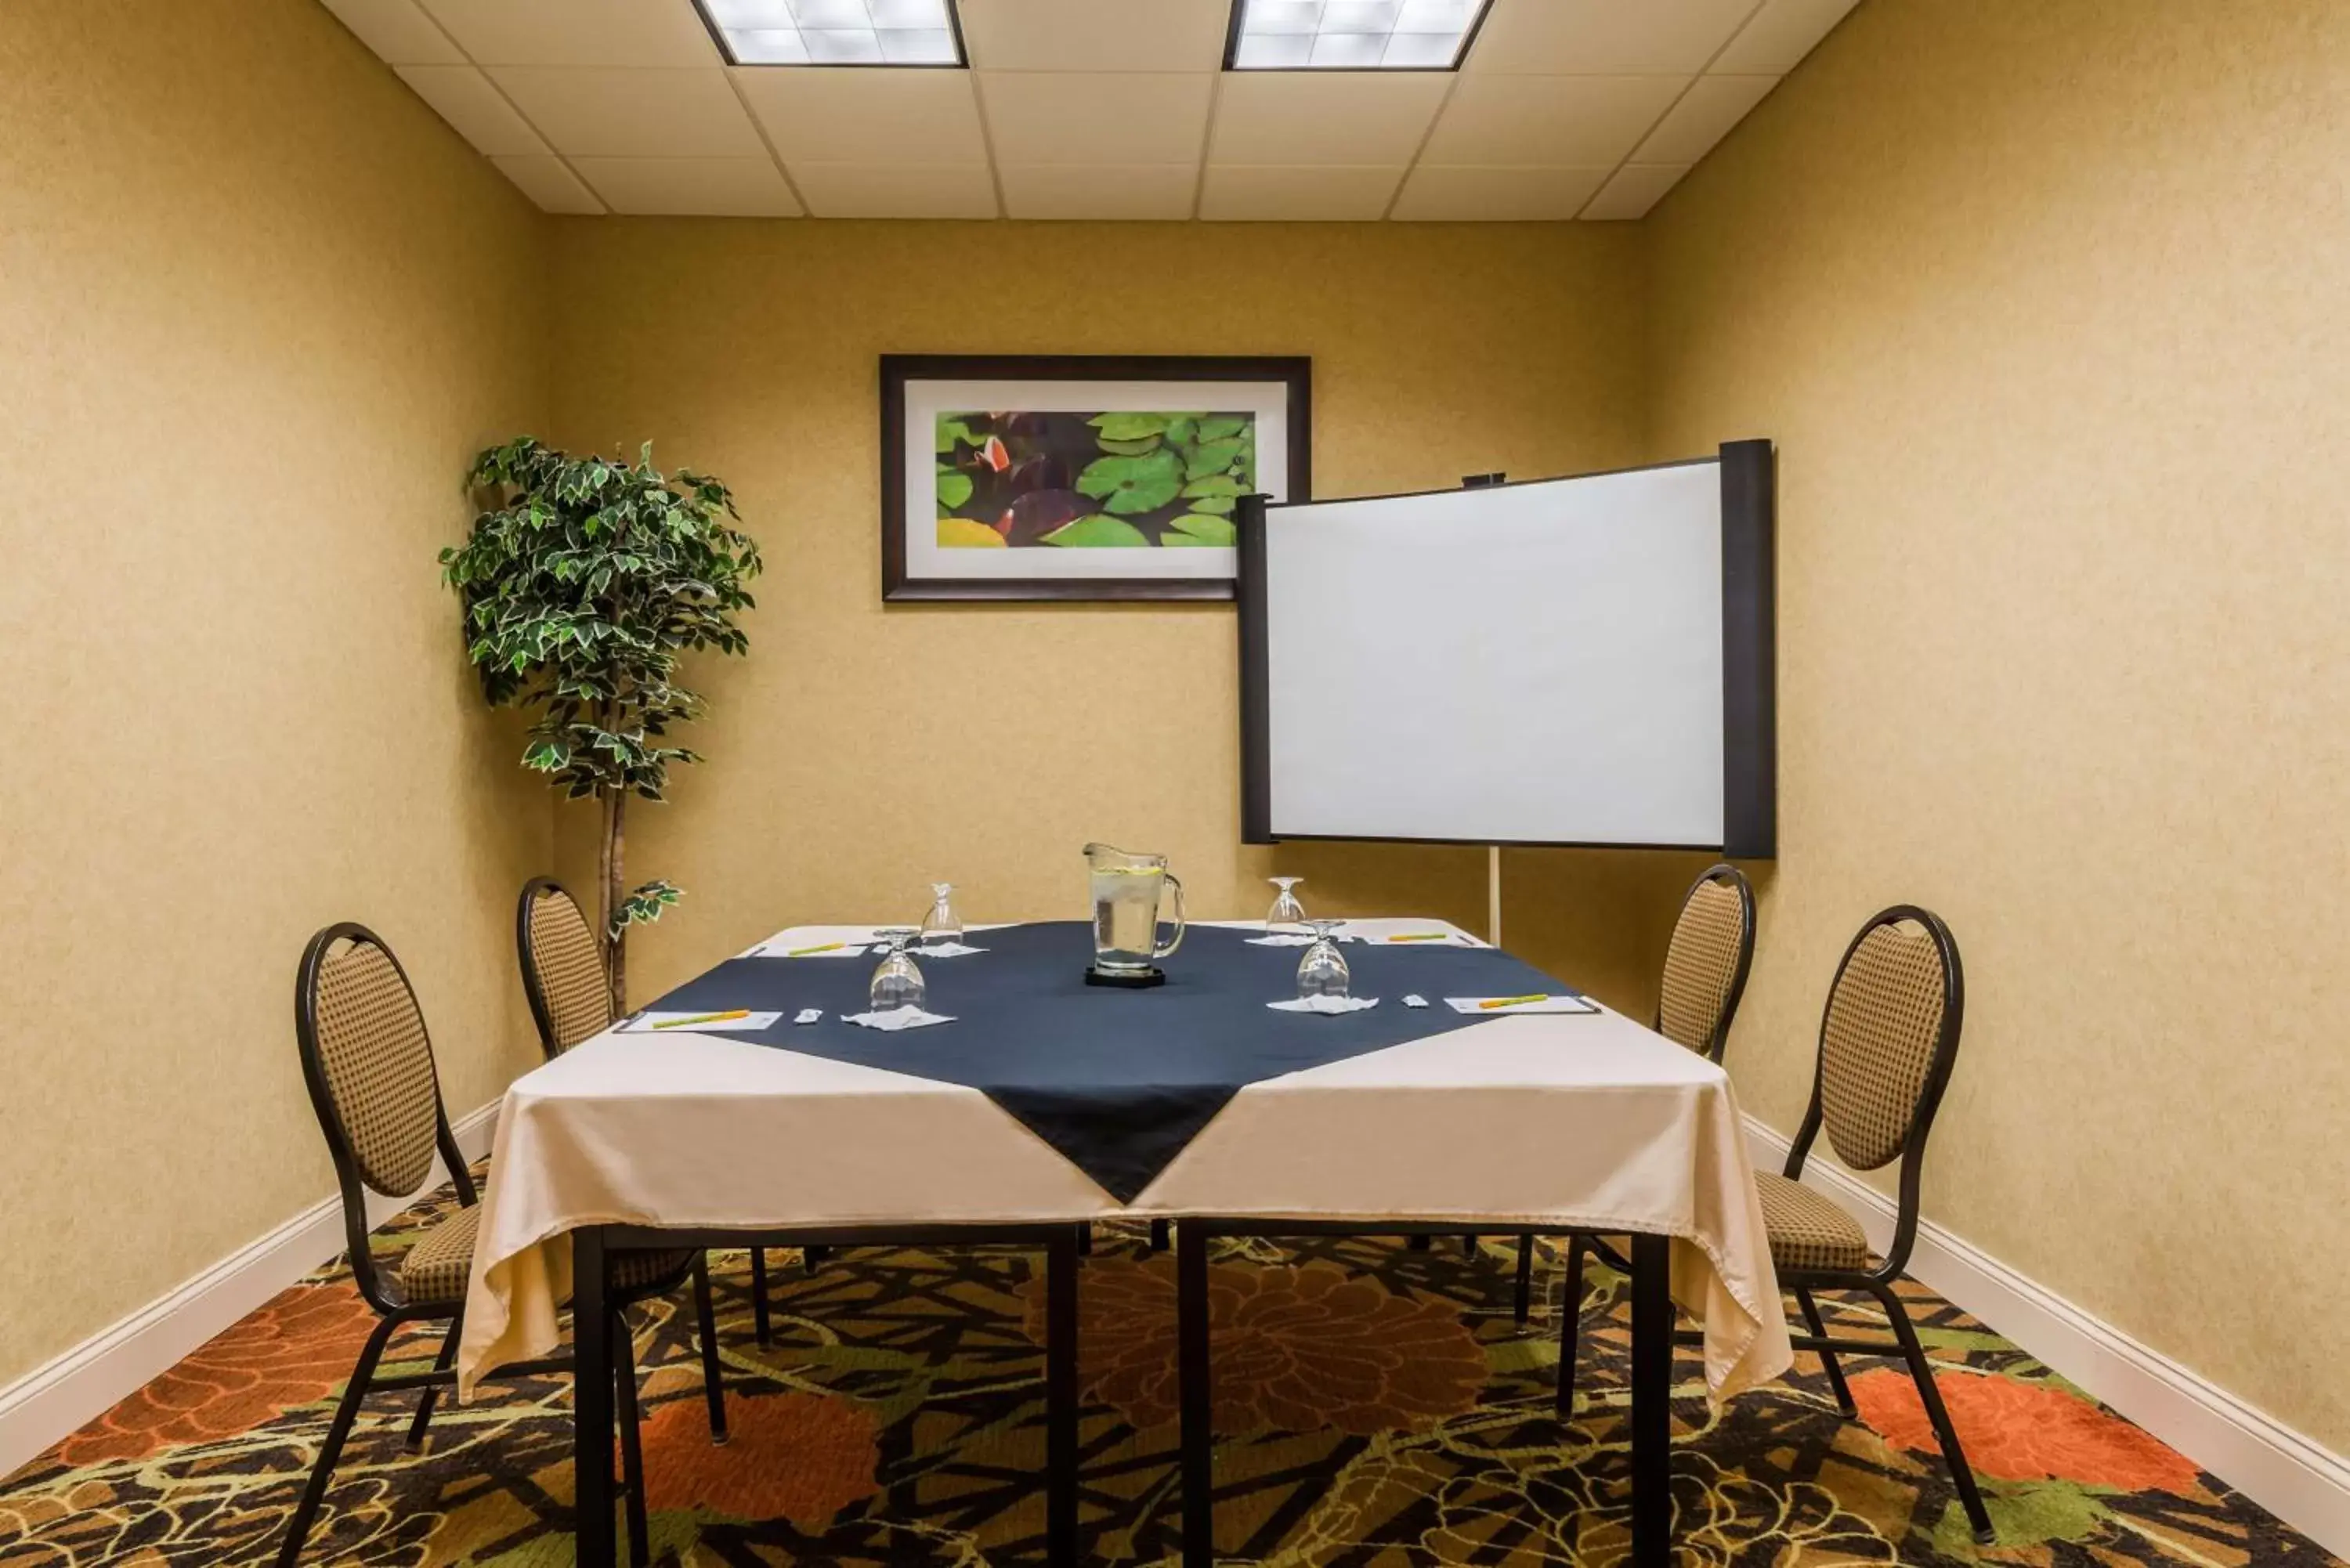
[{"x": 1126, "y": 915}]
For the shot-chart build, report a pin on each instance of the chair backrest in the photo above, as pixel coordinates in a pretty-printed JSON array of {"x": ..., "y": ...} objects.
[
  {"x": 1888, "y": 1036},
  {"x": 562, "y": 967},
  {"x": 368, "y": 1060},
  {"x": 1706, "y": 961}
]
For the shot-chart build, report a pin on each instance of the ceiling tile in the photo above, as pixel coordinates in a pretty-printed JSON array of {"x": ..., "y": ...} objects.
[
  {"x": 1604, "y": 37},
  {"x": 545, "y": 181},
  {"x": 1096, "y": 35},
  {"x": 1704, "y": 116},
  {"x": 1782, "y": 34},
  {"x": 606, "y": 113},
  {"x": 1048, "y": 117},
  {"x": 1438, "y": 193},
  {"x": 398, "y": 32},
  {"x": 577, "y": 32},
  {"x": 1578, "y": 123},
  {"x": 1633, "y": 190},
  {"x": 1098, "y": 190},
  {"x": 854, "y": 115},
  {"x": 1320, "y": 194},
  {"x": 692, "y": 187},
  {"x": 480, "y": 114},
  {"x": 1359, "y": 118},
  {"x": 895, "y": 189}
]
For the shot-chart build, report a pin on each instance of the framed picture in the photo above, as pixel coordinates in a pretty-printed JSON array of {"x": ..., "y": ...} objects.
[{"x": 1081, "y": 477}]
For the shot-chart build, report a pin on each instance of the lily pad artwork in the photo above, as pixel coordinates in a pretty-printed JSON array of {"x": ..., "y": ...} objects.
[
  {"x": 1112, "y": 478},
  {"x": 1117, "y": 480}
]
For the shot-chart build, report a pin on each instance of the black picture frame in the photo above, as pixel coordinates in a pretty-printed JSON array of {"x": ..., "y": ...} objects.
[{"x": 1292, "y": 374}]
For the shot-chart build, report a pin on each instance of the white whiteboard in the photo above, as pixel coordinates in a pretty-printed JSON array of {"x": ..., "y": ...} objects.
[{"x": 1524, "y": 663}]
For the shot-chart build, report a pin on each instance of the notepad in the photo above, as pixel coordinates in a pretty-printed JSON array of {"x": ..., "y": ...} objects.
[
  {"x": 1476, "y": 1004},
  {"x": 652, "y": 1023}
]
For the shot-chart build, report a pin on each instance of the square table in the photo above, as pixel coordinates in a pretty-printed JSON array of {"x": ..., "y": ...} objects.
[{"x": 1533, "y": 1121}]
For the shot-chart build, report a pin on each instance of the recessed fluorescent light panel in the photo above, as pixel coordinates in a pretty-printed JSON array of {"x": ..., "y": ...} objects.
[
  {"x": 1351, "y": 34},
  {"x": 835, "y": 32}
]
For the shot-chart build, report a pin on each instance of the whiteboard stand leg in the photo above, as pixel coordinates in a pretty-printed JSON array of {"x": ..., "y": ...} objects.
[{"x": 1493, "y": 894}]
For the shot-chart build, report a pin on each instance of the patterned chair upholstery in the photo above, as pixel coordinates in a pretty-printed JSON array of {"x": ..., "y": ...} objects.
[
  {"x": 1706, "y": 961},
  {"x": 561, "y": 968},
  {"x": 1889, "y": 1041},
  {"x": 377, "y": 1061},
  {"x": 1878, "y": 1042},
  {"x": 367, "y": 1059},
  {"x": 1807, "y": 1229}
]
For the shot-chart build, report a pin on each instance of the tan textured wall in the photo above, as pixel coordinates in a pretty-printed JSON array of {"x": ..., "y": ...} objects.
[
  {"x": 2043, "y": 300},
  {"x": 257, "y": 306},
  {"x": 859, "y": 752}
]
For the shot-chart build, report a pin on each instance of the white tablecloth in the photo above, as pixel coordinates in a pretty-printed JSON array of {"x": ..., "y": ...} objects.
[{"x": 1587, "y": 1121}]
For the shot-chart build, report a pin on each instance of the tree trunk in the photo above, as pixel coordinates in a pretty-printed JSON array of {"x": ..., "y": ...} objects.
[{"x": 616, "y": 937}]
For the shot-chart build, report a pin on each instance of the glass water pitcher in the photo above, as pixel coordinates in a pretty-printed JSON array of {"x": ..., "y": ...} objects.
[{"x": 1126, "y": 889}]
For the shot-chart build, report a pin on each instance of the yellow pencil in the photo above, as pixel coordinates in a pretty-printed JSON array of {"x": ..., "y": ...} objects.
[
  {"x": 1423, "y": 937},
  {"x": 726, "y": 1017},
  {"x": 819, "y": 948},
  {"x": 1493, "y": 1002}
]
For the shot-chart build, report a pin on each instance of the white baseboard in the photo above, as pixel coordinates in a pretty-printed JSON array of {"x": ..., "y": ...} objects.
[
  {"x": 2300, "y": 1481},
  {"x": 57, "y": 1397}
]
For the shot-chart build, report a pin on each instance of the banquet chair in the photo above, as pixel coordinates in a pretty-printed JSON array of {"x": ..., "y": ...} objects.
[
  {"x": 1712, "y": 946},
  {"x": 570, "y": 1001},
  {"x": 367, "y": 1059},
  {"x": 1888, "y": 1039}
]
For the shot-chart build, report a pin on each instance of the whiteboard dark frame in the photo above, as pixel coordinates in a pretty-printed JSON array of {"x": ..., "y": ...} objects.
[{"x": 1750, "y": 751}]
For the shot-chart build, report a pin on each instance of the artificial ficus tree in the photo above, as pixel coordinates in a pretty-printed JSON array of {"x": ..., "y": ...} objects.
[{"x": 584, "y": 581}]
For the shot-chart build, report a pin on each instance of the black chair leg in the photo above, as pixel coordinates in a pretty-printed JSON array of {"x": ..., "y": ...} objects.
[
  {"x": 1084, "y": 1238},
  {"x": 1422, "y": 1242},
  {"x": 1570, "y": 1326},
  {"x": 1962, "y": 1474},
  {"x": 305, "y": 1512},
  {"x": 1828, "y": 1357},
  {"x": 1469, "y": 1246},
  {"x": 432, "y": 1395},
  {"x": 759, "y": 1324},
  {"x": 1159, "y": 1234},
  {"x": 713, "y": 1380},
  {"x": 633, "y": 1453},
  {"x": 811, "y": 1256},
  {"x": 1525, "y": 1289}
]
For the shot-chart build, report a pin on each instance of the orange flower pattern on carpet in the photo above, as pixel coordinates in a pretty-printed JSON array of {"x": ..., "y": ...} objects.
[
  {"x": 1296, "y": 1350},
  {"x": 297, "y": 1348},
  {"x": 801, "y": 1457},
  {"x": 2023, "y": 1431}
]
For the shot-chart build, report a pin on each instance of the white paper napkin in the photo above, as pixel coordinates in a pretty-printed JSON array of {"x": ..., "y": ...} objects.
[
  {"x": 896, "y": 1018},
  {"x": 1329, "y": 1006},
  {"x": 651, "y": 1023},
  {"x": 942, "y": 949},
  {"x": 1547, "y": 1004}
]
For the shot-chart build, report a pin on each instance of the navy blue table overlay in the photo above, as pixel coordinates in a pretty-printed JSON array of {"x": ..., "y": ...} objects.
[{"x": 1118, "y": 1081}]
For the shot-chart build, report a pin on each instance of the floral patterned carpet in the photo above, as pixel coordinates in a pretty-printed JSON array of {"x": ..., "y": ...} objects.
[{"x": 1376, "y": 1404}]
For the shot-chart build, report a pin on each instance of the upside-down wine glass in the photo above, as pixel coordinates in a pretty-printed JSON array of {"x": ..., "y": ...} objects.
[
  {"x": 1323, "y": 970},
  {"x": 896, "y": 981},
  {"x": 942, "y": 924},
  {"x": 1287, "y": 915}
]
